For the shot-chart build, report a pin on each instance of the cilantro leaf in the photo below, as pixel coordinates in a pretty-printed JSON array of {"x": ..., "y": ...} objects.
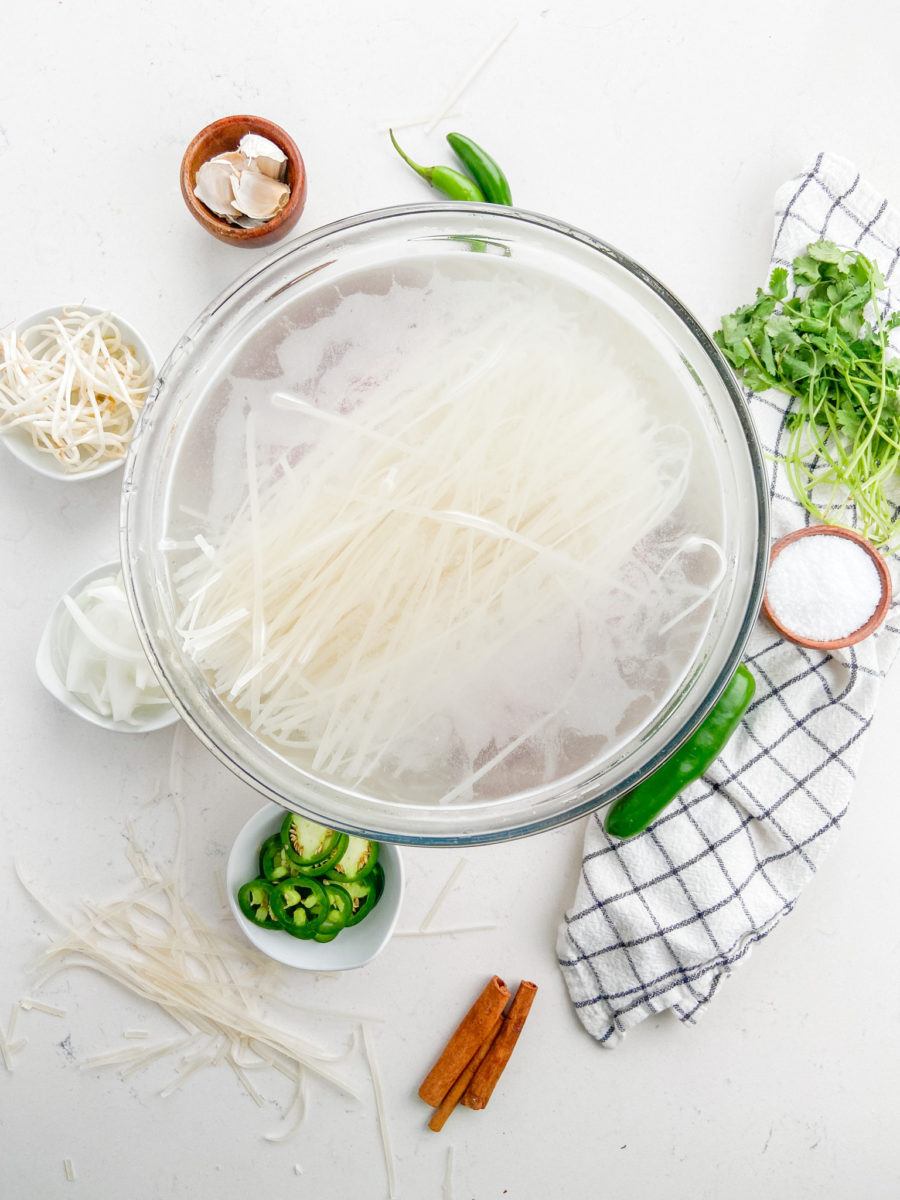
[
  {"x": 828, "y": 252},
  {"x": 843, "y": 426},
  {"x": 778, "y": 283}
]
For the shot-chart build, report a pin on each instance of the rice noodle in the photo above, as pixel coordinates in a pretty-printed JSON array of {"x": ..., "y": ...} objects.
[
  {"x": 51, "y": 1010},
  {"x": 447, "y": 1187},
  {"x": 441, "y": 932},
  {"x": 154, "y": 943},
  {"x": 11, "y": 1027},
  {"x": 421, "y": 602},
  {"x": 442, "y": 895},
  {"x": 294, "y": 1114},
  {"x": 5, "y": 1052},
  {"x": 382, "y": 1113},
  {"x": 242, "y": 1076},
  {"x": 468, "y": 78}
]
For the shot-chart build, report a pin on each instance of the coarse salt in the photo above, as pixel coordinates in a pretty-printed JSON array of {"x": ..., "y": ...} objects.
[{"x": 823, "y": 587}]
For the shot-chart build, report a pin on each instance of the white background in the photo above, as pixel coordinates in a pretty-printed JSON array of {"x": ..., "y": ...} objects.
[{"x": 664, "y": 129}]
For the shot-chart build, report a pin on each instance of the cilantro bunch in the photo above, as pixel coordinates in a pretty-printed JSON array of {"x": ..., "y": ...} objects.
[{"x": 821, "y": 347}]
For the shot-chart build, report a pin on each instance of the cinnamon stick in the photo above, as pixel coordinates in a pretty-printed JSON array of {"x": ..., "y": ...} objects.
[
  {"x": 492, "y": 1066},
  {"x": 450, "y": 1101},
  {"x": 470, "y": 1034}
]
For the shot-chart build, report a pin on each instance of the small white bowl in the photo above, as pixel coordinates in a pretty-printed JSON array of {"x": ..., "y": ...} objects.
[
  {"x": 19, "y": 442},
  {"x": 50, "y": 666},
  {"x": 352, "y": 947}
]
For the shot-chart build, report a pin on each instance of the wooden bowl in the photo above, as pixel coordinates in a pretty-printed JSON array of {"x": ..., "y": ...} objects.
[
  {"x": 880, "y": 609},
  {"x": 224, "y": 135}
]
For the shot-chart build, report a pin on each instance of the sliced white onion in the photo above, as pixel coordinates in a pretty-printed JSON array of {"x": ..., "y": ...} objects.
[{"x": 105, "y": 665}]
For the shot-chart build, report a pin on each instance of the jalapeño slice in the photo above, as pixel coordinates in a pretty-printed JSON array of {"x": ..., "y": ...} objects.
[
  {"x": 338, "y": 914},
  {"x": 307, "y": 842},
  {"x": 326, "y": 863},
  {"x": 377, "y": 878},
  {"x": 357, "y": 861},
  {"x": 274, "y": 863},
  {"x": 255, "y": 902},
  {"x": 363, "y": 897},
  {"x": 300, "y": 904}
]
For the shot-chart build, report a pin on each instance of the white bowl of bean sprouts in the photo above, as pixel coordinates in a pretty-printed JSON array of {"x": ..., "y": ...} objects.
[
  {"x": 445, "y": 524},
  {"x": 73, "y": 380}
]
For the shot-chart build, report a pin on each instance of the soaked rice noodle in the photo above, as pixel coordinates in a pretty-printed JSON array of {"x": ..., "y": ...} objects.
[{"x": 427, "y": 582}]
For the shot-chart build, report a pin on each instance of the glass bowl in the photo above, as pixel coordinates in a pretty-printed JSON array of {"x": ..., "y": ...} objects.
[{"x": 374, "y": 360}]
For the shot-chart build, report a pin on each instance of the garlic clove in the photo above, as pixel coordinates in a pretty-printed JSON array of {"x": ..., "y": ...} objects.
[
  {"x": 213, "y": 187},
  {"x": 266, "y": 157},
  {"x": 234, "y": 159},
  {"x": 257, "y": 195}
]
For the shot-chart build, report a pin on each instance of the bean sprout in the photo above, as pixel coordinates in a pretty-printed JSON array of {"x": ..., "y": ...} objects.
[{"x": 73, "y": 384}]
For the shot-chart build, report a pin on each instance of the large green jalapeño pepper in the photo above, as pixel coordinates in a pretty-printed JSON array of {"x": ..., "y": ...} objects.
[{"x": 634, "y": 811}]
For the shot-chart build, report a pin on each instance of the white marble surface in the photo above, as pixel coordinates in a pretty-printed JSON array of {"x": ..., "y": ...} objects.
[{"x": 665, "y": 130}]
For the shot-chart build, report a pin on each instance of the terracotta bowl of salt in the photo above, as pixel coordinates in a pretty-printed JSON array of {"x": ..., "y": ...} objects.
[{"x": 827, "y": 587}]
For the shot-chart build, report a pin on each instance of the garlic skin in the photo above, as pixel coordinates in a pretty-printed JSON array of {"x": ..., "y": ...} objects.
[
  {"x": 245, "y": 185},
  {"x": 258, "y": 196},
  {"x": 265, "y": 157}
]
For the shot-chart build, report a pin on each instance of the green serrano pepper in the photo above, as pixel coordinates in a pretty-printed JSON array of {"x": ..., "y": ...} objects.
[
  {"x": 485, "y": 171},
  {"x": 452, "y": 183},
  {"x": 634, "y": 811}
]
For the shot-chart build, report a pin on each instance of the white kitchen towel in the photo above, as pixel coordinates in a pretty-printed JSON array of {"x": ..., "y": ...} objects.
[{"x": 659, "y": 919}]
